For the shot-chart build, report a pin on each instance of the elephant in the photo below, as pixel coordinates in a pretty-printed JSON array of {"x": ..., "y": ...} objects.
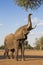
[
  {"x": 8, "y": 42},
  {"x": 12, "y": 41},
  {"x": 11, "y": 44},
  {"x": 22, "y": 32}
]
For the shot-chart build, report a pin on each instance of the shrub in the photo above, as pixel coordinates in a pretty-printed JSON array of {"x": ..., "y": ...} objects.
[{"x": 2, "y": 47}]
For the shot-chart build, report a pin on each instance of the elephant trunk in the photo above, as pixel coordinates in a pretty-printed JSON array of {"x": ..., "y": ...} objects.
[
  {"x": 29, "y": 26},
  {"x": 29, "y": 21}
]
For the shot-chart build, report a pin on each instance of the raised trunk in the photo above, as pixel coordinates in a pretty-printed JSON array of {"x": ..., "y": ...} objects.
[
  {"x": 29, "y": 26},
  {"x": 29, "y": 21}
]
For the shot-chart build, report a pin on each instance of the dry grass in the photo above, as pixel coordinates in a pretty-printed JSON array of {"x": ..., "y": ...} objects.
[{"x": 32, "y": 57}]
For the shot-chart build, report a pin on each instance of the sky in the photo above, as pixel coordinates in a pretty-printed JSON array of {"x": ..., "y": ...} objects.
[{"x": 12, "y": 17}]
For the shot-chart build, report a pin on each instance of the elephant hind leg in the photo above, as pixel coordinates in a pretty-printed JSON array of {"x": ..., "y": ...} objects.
[
  {"x": 12, "y": 50},
  {"x": 5, "y": 53},
  {"x": 12, "y": 55},
  {"x": 22, "y": 50},
  {"x": 8, "y": 54},
  {"x": 16, "y": 51}
]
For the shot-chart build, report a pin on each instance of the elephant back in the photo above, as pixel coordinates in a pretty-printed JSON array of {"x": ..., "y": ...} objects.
[{"x": 9, "y": 41}]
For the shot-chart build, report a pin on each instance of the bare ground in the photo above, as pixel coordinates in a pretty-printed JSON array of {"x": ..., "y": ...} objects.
[{"x": 32, "y": 57}]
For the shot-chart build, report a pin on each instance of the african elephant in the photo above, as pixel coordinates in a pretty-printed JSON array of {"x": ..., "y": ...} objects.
[
  {"x": 12, "y": 41},
  {"x": 11, "y": 44}
]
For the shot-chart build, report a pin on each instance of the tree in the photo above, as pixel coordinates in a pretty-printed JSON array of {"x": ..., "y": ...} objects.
[
  {"x": 39, "y": 43},
  {"x": 29, "y": 3},
  {"x": 26, "y": 43},
  {"x": 27, "y": 46},
  {"x": 2, "y": 47}
]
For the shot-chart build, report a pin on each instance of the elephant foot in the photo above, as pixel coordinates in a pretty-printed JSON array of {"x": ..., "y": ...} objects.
[
  {"x": 4, "y": 54},
  {"x": 13, "y": 57},
  {"x": 8, "y": 57},
  {"x": 24, "y": 59},
  {"x": 16, "y": 59}
]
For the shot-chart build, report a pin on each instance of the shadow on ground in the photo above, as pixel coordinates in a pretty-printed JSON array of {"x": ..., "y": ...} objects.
[{"x": 26, "y": 57}]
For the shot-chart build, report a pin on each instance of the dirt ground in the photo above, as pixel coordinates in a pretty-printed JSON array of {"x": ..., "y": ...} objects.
[{"x": 32, "y": 57}]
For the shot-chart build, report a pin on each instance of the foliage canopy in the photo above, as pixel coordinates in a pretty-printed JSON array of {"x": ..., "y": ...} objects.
[
  {"x": 33, "y": 4},
  {"x": 39, "y": 43}
]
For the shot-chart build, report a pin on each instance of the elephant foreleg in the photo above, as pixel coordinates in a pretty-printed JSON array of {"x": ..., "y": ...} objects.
[
  {"x": 16, "y": 53},
  {"x": 16, "y": 49},
  {"x": 22, "y": 50}
]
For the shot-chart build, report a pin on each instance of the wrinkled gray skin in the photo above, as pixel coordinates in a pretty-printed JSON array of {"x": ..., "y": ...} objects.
[
  {"x": 12, "y": 41},
  {"x": 22, "y": 32},
  {"x": 8, "y": 42},
  {"x": 11, "y": 44}
]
